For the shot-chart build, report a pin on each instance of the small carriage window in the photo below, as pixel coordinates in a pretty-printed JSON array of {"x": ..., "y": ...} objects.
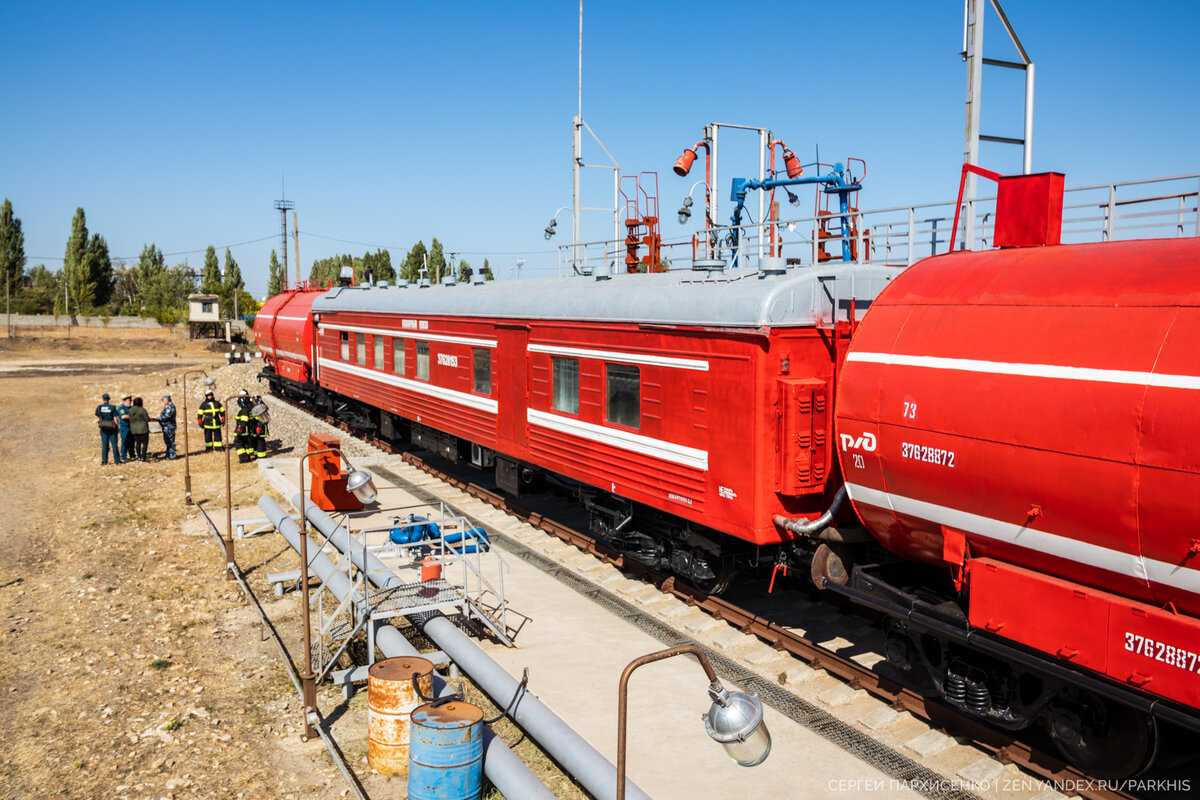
[
  {"x": 398, "y": 356},
  {"x": 483, "y": 370},
  {"x": 362, "y": 349},
  {"x": 423, "y": 360},
  {"x": 566, "y": 385},
  {"x": 379, "y": 352},
  {"x": 345, "y": 338},
  {"x": 624, "y": 394}
]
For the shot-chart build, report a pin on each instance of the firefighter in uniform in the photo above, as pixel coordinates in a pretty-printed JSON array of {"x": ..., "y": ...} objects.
[
  {"x": 258, "y": 427},
  {"x": 243, "y": 436},
  {"x": 210, "y": 417}
]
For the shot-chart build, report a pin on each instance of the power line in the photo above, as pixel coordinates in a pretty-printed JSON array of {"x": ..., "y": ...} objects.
[
  {"x": 399, "y": 248},
  {"x": 176, "y": 253}
]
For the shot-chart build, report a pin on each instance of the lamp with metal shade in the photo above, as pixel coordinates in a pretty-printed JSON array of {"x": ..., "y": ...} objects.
[
  {"x": 362, "y": 485},
  {"x": 736, "y": 721}
]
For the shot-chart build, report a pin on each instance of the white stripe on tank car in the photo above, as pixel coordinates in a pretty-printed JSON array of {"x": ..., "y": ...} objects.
[
  {"x": 411, "y": 334},
  {"x": 420, "y": 387},
  {"x": 625, "y": 358},
  {"x": 1031, "y": 370},
  {"x": 293, "y": 319},
  {"x": 285, "y": 354},
  {"x": 1053, "y": 544},
  {"x": 656, "y": 448}
]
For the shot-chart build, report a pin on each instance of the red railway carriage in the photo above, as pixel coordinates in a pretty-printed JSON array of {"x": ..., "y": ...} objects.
[
  {"x": 1026, "y": 419},
  {"x": 703, "y": 398}
]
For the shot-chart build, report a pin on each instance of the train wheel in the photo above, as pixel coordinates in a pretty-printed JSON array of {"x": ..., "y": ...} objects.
[
  {"x": 710, "y": 574},
  {"x": 1105, "y": 739},
  {"x": 832, "y": 562}
]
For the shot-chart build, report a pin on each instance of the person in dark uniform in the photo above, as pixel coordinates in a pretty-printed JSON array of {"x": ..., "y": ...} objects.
[
  {"x": 258, "y": 426},
  {"x": 211, "y": 417},
  {"x": 123, "y": 418},
  {"x": 107, "y": 417},
  {"x": 166, "y": 420},
  {"x": 242, "y": 440},
  {"x": 139, "y": 429}
]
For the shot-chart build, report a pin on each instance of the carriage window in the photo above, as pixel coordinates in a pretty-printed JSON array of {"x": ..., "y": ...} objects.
[
  {"x": 379, "y": 352},
  {"x": 483, "y": 370},
  {"x": 624, "y": 394},
  {"x": 398, "y": 356},
  {"x": 362, "y": 349},
  {"x": 345, "y": 338},
  {"x": 566, "y": 385},
  {"x": 423, "y": 360}
]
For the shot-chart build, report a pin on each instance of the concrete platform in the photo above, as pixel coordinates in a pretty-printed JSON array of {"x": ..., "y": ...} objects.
[{"x": 575, "y": 651}]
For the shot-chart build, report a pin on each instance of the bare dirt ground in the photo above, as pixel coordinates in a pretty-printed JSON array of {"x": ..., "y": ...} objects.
[{"x": 129, "y": 668}]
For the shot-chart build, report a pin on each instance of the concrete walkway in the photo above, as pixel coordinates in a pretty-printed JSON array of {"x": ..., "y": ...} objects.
[{"x": 575, "y": 651}]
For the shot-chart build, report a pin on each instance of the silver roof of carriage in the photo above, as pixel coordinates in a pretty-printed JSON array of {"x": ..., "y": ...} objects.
[{"x": 800, "y": 296}]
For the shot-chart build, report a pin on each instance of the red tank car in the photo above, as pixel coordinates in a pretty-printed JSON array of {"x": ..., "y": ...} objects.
[
  {"x": 1025, "y": 419},
  {"x": 284, "y": 332}
]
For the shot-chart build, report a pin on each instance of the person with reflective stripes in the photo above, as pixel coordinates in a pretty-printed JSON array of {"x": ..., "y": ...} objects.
[
  {"x": 210, "y": 417},
  {"x": 258, "y": 426},
  {"x": 243, "y": 438}
]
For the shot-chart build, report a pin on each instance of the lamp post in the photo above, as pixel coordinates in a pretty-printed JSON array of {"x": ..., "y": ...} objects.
[
  {"x": 229, "y": 562},
  {"x": 187, "y": 450},
  {"x": 735, "y": 719},
  {"x": 363, "y": 486}
]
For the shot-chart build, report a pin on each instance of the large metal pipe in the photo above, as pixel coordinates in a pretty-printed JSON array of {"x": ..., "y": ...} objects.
[
  {"x": 503, "y": 768},
  {"x": 574, "y": 753}
]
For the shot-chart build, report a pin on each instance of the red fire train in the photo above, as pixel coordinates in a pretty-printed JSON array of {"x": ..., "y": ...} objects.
[{"x": 1013, "y": 427}]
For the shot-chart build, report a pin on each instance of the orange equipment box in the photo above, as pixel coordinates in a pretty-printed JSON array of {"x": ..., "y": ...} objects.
[{"x": 328, "y": 489}]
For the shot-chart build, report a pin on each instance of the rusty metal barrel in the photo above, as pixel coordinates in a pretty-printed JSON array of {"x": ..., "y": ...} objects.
[
  {"x": 446, "y": 758},
  {"x": 391, "y": 699}
]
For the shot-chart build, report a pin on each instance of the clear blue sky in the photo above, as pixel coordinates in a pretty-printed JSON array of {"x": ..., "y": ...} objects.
[{"x": 392, "y": 122}]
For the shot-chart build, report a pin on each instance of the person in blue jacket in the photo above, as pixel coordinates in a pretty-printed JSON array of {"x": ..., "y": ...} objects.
[
  {"x": 166, "y": 419},
  {"x": 123, "y": 419},
  {"x": 107, "y": 417}
]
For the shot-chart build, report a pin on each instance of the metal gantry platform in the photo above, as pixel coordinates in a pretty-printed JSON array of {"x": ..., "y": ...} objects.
[{"x": 381, "y": 594}]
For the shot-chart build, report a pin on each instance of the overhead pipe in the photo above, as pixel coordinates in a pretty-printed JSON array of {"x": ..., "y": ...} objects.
[
  {"x": 503, "y": 768},
  {"x": 572, "y": 752}
]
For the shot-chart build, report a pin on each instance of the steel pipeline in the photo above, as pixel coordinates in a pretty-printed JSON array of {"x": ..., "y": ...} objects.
[
  {"x": 502, "y": 767},
  {"x": 579, "y": 758}
]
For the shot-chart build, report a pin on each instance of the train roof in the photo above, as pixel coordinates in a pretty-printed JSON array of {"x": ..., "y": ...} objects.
[{"x": 800, "y": 296}]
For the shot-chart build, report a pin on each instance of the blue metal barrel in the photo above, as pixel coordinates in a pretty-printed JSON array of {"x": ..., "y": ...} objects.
[{"x": 446, "y": 752}]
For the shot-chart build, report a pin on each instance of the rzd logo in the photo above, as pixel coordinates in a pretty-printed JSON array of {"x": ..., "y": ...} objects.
[{"x": 864, "y": 442}]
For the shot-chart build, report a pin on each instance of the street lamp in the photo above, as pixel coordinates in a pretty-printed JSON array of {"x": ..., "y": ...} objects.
[
  {"x": 735, "y": 719},
  {"x": 187, "y": 450},
  {"x": 362, "y": 485},
  {"x": 228, "y": 541},
  {"x": 552, "y": 228}
]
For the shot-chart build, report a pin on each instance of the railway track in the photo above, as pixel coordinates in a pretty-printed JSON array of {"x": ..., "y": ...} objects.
[{"x": 1003, "y": 746}]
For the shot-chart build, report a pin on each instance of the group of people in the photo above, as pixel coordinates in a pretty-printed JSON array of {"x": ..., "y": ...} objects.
[
  {"x": 125, "y": 429},
  {"x": 249, "y": 429}
]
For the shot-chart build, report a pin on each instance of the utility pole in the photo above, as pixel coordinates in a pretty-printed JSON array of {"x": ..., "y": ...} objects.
[
  {"x": 283, "y": 206},
  {"x": 296, "y": 241}
]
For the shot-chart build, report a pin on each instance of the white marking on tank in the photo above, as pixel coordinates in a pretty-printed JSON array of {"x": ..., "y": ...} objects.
[
  {"x": 1061, "y": 372},
  {"x": 865, "y": 442},
  {"x": 1105, "y": 558}
]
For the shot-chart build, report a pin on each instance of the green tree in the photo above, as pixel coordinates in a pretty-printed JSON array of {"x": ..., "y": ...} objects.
[
  {"x": 274, "y": 284},
  {"x": 464, "y": 271},
  {"x": 487, "y": 271},
  {"x": 12, "y": 250},
  {"x": 232, "y": 286},
  {"x": 99, "y": 271},
  {"x": 80, "y": 293},
  {"x": 210, "y": 283},
  {"x": 379, "y": 265},
  {"x": 414, "y": 262},
  {"x": 125, "y": 288},
  {"x": 437, "y": 261},
  {"x": 43, "y": 295},
  {"x": 163, "y": 295}
]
